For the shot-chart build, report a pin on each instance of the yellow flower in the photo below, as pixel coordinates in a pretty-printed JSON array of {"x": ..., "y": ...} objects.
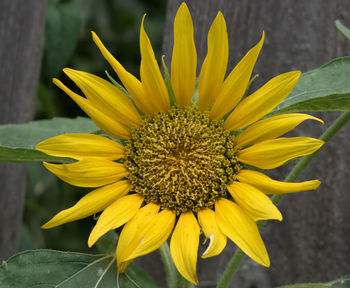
[{"x": 183, "y": 169}]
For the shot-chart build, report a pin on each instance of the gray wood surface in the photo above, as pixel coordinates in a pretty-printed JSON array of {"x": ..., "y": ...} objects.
[
  {"x": 21, "y": 34},
  {"x": 313, "y": 241}
]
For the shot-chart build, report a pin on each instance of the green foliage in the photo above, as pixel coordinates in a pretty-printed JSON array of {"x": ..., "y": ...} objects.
[
  {"x": 324, "y": 89},
  {"x": 17, "y": 141},
  {"x": 63, "y": 24},
  {"x": 167, "y": 81},
  {"x": 342, "y": 29},
  {"x": 107, "y": 243},
  {"x": 50, "y": 268},
  {"x": 343, "y": 282}
]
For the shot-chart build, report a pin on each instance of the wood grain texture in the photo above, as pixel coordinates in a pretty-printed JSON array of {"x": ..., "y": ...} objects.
[
  {"x": 21, "y": 34},
  {"x": 312, "y": 243}
]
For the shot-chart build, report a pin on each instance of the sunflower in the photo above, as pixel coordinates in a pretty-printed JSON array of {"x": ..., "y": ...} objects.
[{"x": 186, "y": 167}]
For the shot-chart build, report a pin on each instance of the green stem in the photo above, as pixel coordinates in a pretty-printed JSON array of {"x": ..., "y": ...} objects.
[
  {"x": 237, "y": 257},
  {"x": 175, "y": 280},
  {"x": 231, "y": 268}
]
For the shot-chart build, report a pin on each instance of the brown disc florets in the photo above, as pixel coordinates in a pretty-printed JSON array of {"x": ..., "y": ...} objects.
[{"x": 181, "y": 160}]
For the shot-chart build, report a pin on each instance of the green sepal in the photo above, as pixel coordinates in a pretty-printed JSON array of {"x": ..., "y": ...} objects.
[
  {"x": 342, "y": 29},
  {"x": 167, "y": 81}
]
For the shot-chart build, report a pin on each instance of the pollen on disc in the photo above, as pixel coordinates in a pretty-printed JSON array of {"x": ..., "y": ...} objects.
[{"x": 181, "y": 160}]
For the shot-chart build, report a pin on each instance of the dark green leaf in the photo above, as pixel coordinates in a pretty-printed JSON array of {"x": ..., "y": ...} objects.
[
  {"x": 56, "y": 269},
  {"x": 106, "y": 244},
  {"x": 62, "y": 32},
  {"x": 17, "y": 141},
  {"x": 324, "y": 89},
  {"x": 342, "y": 29}
]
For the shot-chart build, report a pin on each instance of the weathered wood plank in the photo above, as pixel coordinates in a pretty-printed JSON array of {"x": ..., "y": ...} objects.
[{"x": 21, "y": 34}]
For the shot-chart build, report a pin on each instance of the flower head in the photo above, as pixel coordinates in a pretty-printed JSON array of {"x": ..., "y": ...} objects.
[{"x": 184, "y": 168}]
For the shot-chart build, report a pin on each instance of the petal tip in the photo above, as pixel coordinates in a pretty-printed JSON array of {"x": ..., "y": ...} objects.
[
  {"x": 46, "y": 226},
  {"x": 143, "y": 20},
  {"x": 56, "y": 82},
  {"x": 183, "y": 6},
  {"x": 262, "y": 38},
  {"x": 317, "y": 183},
  {"x": 297, "y": 73},
  {"x": 91, "y": 241},
  {"x": 69, "y": 72},
  {"x": 39, "y": 146}
]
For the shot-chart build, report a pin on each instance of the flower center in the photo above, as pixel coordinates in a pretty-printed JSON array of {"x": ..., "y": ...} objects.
[{"x": 181, "y": 160}]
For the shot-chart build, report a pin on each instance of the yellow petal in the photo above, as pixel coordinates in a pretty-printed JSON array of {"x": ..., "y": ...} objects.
[
  {"x": 271, "y": 128},
  {"x": 269, "y": 186},
  {"x": 254, "y": 202},
  {"x": 107, "y": 124},
  {"x": 90, "y": 204},
  {"x": 152, "y": 234},
  {"x": 207, "y": 221},
  {"x": 262, "y": 101},
  {"x": 130, "y": 232},
  {"x": 184, "y": 246},
  {"x": 151, "y": 78},
  {"x": 79, "y": 146},
  {"x": 131, "y": 83},
  {"x": 115, "y": 215},
  {"x": 106, "y": 97},
  {"x": 214, "y": 66},
  {"x": 236, "y": 83},
  {"x": 273, "y": 153},
  {"x": 242, "y": 230},
  {"x": 184, "y": 60},
  {"x": 89, "y": 172}
]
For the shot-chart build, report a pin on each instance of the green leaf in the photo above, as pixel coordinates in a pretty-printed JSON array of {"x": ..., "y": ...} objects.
[
  {"x": 306, "y": 285},
  {"x": 17, "y": 141},
  {"x": 63, "y": 22},
  {"x": 56, "y": 269},
  {"x": 342, "y": 29},
  {"x": 324, "y": 89},
  {"x": 106, "y": 244},
  {"x": 343, "y": 282}
]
